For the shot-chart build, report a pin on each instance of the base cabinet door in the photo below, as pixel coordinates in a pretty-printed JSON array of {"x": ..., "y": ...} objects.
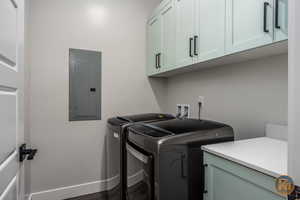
[
  {"x": 167, "y": 17},
  {"x": 226, "y": 180},
  {"x": 249, "y": 24},
  {"x": 210, "y": 29},
  {"x": 184, "y": 32},
  {"x": 281, "y": 20},
  {"x": 154, "y": 45}
]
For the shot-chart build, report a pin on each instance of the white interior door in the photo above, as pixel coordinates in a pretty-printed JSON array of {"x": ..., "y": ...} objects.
[{"x": 11, "y": 98}]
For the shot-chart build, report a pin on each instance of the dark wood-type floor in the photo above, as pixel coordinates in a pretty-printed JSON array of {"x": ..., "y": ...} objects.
[
  {"x": 137, "y": 192},
  {"x": 97, "y": 196}
]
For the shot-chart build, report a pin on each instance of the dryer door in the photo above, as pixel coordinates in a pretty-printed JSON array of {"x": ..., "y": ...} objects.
[{"x": 140, "y": 174}]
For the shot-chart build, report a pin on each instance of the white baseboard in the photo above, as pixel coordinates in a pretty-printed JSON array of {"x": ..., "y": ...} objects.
[
  {"x": 70, "y": 192},
  {"x": 76, "y": 190},
  {"x": 28, "y": 197},
  {"x": 83, "y": 189},
  {"x": 134, "y": 179},
  {"x": 112, "y": 183}
]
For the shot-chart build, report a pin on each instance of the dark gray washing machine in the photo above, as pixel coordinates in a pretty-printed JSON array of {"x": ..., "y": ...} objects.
[
  {"x": 170, "y": 158},
  {"x": 116, "y": 143}
]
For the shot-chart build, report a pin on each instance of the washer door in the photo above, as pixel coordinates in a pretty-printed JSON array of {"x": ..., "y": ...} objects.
[{"x": 140, "y": 176}]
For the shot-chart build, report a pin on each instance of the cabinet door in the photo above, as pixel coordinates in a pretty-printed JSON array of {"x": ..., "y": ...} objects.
[
  {"x": 210, "y": 29},
  {"x": 249, "y": 24},
  {"x": 184, "y": 32},
  {"x": 226, "y": 180},
  {"x": 154, "y": 45},
  {"x": 281, "y": 20},
  {"x": 167, "y": 17}
]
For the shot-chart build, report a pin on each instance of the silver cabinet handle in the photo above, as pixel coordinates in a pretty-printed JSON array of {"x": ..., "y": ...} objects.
[{"x": 136, "y": 154}]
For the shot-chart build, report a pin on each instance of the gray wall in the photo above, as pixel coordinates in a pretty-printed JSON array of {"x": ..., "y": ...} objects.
[
  {"x": 245, "y": 95},
  {"x": 72, "y": 153},
  {"x": 294, "y": 92}
]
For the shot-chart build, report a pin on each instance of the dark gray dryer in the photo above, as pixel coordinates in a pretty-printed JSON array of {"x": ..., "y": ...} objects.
[
  {"x": 171, "y": 159},
  {"x": 117, "y": 127}
]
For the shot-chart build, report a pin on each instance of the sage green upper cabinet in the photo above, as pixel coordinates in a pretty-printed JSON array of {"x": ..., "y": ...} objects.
[
  {"x": 281, "y": 20},
  {"x": 209, "y": 40},
  {"x": 161, "y": 39},
  {"x": 167, "y": 18},
  {"x": 182, "y": 33},
  {"x": 154, "y": 45},
  {"x": 249, "y": 24},
  {"x": 185, "y": 10}
]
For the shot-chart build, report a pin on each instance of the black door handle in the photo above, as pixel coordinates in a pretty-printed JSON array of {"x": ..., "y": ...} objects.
[
  {"x": 159, "y": 59},
  {"x": 93, "y": 89},
  {"x": 277, "y": 14},
  {"x": 29, "y": 153},
  {"x": 266, "y": 4},
  {"x": 156, "y": 62},
  {"x": 190, "y": 50},
  {"x": 195, "y": 45}
]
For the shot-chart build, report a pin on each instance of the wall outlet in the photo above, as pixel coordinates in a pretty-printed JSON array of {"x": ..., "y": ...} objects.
[
  {"x": 179, "y": 111},
  {"x": 183, "y": 111},
  {"x": 186, "y": 111}
]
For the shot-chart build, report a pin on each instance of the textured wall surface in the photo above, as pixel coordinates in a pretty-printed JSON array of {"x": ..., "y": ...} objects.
[
  {"x": 72, "y": 153},
  {"x": 245, "y": 95},
  {"x": 294, "y": 91}
]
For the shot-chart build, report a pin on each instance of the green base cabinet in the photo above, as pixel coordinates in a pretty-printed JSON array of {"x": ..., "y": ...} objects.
[{"x": 226, "y": 180}]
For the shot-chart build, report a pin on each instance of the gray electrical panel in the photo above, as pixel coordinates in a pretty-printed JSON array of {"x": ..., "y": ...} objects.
[{"x": 84, "y": 85}]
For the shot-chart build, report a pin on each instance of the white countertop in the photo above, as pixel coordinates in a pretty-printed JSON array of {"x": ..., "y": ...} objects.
[{"x": 265, "y": 155}]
